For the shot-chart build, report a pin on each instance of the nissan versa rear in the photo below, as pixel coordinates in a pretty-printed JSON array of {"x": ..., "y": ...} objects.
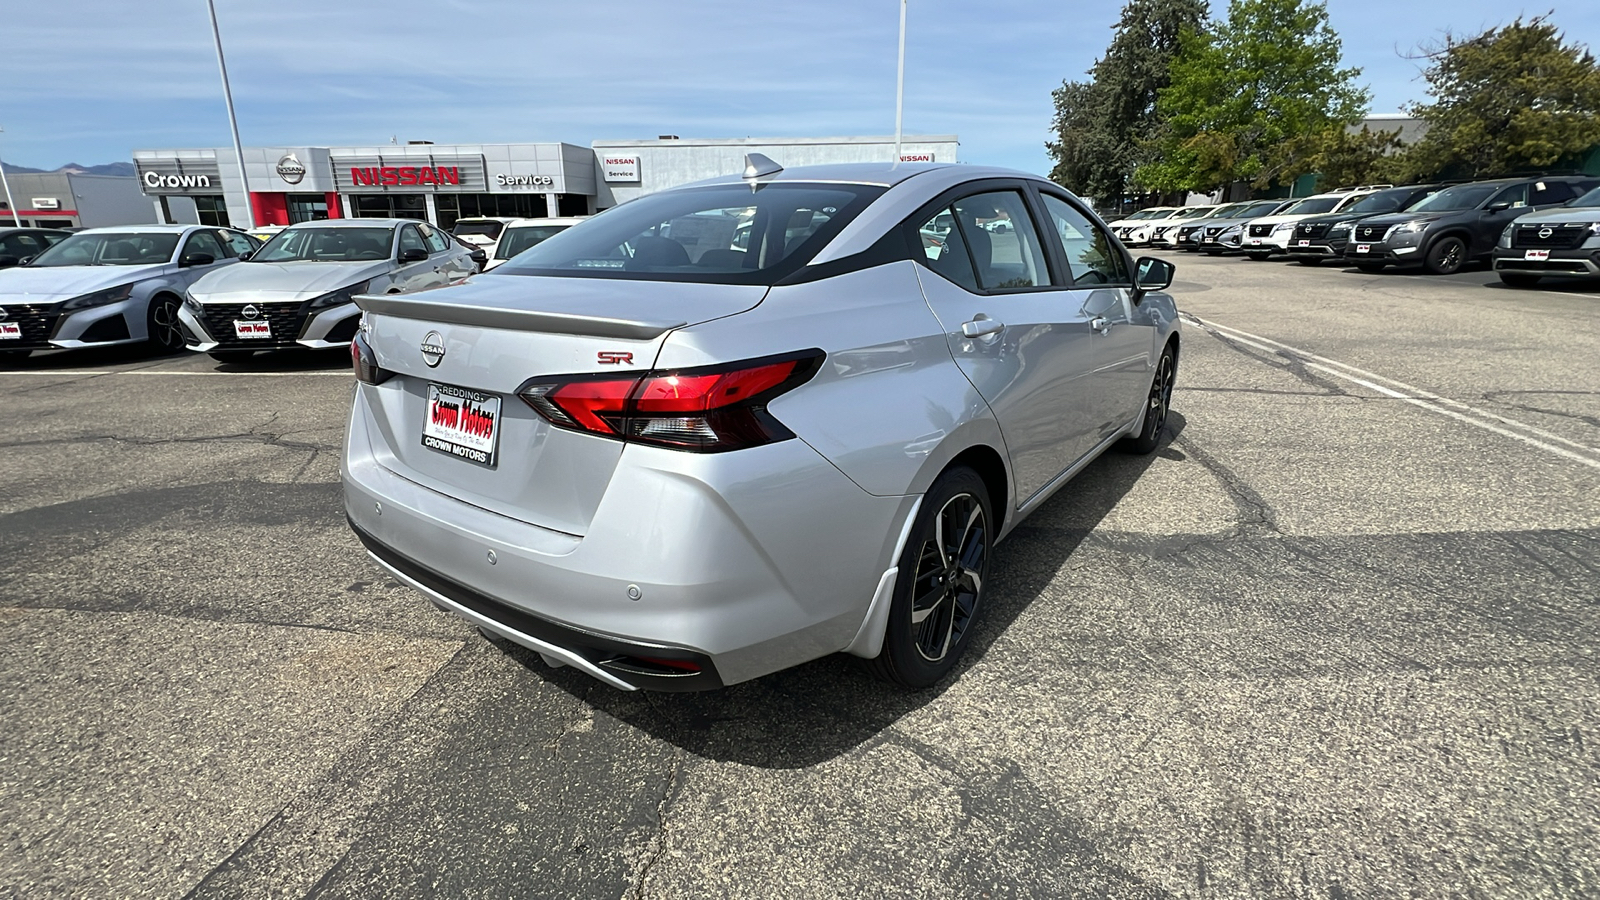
[{"x": 734, "y": 426}]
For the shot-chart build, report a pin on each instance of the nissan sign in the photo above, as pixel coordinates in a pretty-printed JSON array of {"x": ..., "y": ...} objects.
[
  {"x": 620, "y": 168},
  {"x": 290, "y": 169},
  {"x": 916, "y": 157}
]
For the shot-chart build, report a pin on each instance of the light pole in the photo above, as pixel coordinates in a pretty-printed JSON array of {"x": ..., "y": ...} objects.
[
  {"x": 900, "y": 85},
  {"x": 233, "y": 122},
  {"x": 10, "y": 203}
]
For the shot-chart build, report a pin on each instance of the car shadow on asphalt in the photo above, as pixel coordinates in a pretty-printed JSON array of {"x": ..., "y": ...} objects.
[
  {"x": 826, "y": 708},
  {"x": 297, "y": 360}
]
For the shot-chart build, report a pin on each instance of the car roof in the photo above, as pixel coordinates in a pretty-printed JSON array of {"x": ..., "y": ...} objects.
[
  {"x": 885, "y": 174},
  {"x": 141, "y": 229},
  {"x": 547, "y": 220},
  {"x": 354, "y": 223},
  {"x": 506, "y": 219}
]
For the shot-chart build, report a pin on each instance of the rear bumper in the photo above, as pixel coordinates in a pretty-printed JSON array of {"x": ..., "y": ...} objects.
[
  {"x": 1578, "y": 263},
  {"x": 739, "y": 564}
]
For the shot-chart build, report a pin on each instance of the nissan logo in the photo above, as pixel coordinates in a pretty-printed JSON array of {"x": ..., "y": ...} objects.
[
  {"x": 250, "y": 311},
  {"x": 1545, "y": 232},
  {"x": 290, "y": 169},
  {"x": 3, "y": 314},
  {"x": 433, "y": 349}
]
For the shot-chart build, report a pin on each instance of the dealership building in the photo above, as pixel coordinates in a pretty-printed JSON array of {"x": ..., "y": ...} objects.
[
  {"x": 443, "y": 182},
  {"x": 72, "y": 200}
]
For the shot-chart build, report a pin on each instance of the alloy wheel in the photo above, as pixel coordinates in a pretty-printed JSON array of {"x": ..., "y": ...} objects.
[
  {"x": 164, "y": 328},
  {"x": 949, "y": 577},
  {"x": 1160, "y": 397}
]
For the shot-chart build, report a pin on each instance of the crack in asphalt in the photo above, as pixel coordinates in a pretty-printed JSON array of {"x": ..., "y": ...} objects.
[
  {"x": 658, "y": 843},
  {"x": 1283, "y": 360}
]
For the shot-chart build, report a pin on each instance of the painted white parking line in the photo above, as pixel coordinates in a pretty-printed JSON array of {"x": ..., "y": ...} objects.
[
  {"x": 1480, "y": 418},
  {"x": 46, "y": 373}
]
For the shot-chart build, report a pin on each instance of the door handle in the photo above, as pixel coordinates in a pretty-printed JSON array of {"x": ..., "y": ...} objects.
[
  {"x": 1100, "y": 324},
  {"x": 982, "y": 326}
]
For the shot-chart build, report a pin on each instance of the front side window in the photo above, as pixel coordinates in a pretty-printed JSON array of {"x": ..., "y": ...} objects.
[
  {"x": 999, "y": 234},
  {"x": 205, "y": 242},
  {"x": 1091, "y": 256},
  {"x": 110, "y": 249},
  {"x": 722, "y": 234},
  {"x": 1516, "y": 195},
  {"x": 411, "y": 240},
  {"x": 436, "y": 240},
  {"x": 303, "y": 244}
]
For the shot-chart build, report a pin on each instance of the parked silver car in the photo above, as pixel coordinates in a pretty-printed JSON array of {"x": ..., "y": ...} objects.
[
  {"x": 106, "y": 286},
  {"x": 1559, "y": 242},
  {"x": 298, "y": 290},
  {"x": 675, "y": 464}
]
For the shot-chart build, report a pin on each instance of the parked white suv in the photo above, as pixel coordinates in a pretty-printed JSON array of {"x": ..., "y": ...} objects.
[{"x": 1269, "y": 235}]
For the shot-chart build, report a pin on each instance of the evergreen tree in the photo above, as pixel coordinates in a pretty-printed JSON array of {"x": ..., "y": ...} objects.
[{"x": 1100, "y": 125}]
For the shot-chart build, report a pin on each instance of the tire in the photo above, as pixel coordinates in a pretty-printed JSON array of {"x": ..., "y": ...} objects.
[
  {"x": 1157, "y": 404},
  {"x": 1519, "y": 279},
  {"x": 1257, "y": 255},
  {"x": 166, "y": 335},
  {"x": 1446, "y": 256},
  {"x": 230, "y": 356},
  {"x": 938, "y": 594}
]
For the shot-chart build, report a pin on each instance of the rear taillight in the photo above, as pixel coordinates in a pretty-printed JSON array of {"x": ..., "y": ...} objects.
[
  {"x": 365, "y": 362},
  {"x": 706, "y": 409}
]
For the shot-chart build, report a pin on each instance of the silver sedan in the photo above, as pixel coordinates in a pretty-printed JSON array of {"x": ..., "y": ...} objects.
[
  {"x": 727, "y": 428},
  {"x": 299, "y": 289}
]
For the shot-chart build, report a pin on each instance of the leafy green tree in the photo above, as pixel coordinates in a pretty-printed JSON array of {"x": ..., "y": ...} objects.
[
  {"x": 1344, "y": 157},
  {"x": 1100, "y": 124},
  {"x": 1255, "y": 99},
  {"x": 1512, "y": 98}
]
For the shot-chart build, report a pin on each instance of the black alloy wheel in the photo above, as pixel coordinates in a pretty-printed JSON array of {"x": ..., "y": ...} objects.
[
  {"x": 162, "y": 321},
  {"x": 1157, "y": 404},
  {"x": 1446, "y": 256},
  {"x": 1519, "y": 279},
  {"x": 939, "y": 591}
]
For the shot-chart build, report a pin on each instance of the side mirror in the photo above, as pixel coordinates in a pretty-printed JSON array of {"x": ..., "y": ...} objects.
[
  {"x": 1500, "y": 206},
  {"x": 196, "y": 259},
  {"x": 479, "y": 257},
  {"x": 413, "y": 255},
  {"x": 1154, "y": 274},
  {"x": 7, "y": 262},
  {"x": 246, "y": 255}
]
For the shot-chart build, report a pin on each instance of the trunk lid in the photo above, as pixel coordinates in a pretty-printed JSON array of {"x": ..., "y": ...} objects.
[{"x": 497, "y": 332}]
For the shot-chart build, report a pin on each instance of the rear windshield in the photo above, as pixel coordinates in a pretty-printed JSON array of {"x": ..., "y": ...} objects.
[
  {"x": 519, "y": 239},
  {"x": 1462, "y": 196},
  {"x": 326, "y": 245},
  {"x": 724, "y": 234},
  {"x": 490, "y": 229},
  {"x": 131, "y": 249}
]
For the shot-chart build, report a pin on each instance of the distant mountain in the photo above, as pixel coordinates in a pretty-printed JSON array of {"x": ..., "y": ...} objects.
[{"x": 116, "y": 168}]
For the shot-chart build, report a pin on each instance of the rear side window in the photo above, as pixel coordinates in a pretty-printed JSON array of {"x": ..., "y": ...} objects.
[
  {"x": 944, "y": 251},
  {"x": 1549, "y": 193},
  {"x": 1091, "y": 256},
  {"x": 1004, "y": 245},
  {"x": 722, "y": 234}
]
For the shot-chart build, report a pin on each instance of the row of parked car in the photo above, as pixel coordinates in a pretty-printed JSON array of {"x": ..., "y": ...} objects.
[
  {"x": 230, "y": 293},
  {"x": 1527, "y": 228}
]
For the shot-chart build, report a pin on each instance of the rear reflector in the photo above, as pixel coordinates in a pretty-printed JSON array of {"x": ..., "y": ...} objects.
[
  {"x": 708, "y": 409},
  {"x": 365, "y": 362}
]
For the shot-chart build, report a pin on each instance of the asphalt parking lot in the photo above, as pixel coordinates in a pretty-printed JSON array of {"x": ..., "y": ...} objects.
[{"x": 1337, "y": 639}]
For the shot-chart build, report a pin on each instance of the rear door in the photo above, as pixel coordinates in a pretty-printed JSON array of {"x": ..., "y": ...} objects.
[
  {"x": 1018, "y": 334},
  {"x": 1123, "y": 337}
]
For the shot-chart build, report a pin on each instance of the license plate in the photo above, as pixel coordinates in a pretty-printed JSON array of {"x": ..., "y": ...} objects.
[
  {"x": 1363, "y": 248},
  {"x": 1303, "y": 244},
  {"x": 10, "y": 331},
  {"x": 1255, "y": 242},
  {"x": 1209, "y": 240},
  {"x": 1539, "y": 255},
  {"x": 462, "y": 422},
  {"x": 252, "y": 330}
]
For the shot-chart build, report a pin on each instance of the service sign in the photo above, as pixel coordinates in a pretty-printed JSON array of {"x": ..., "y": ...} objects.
[{"x": 620, "y": 168}]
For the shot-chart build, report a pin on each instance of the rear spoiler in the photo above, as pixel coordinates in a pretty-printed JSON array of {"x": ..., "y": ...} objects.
[{"x": 418, "y": 306}]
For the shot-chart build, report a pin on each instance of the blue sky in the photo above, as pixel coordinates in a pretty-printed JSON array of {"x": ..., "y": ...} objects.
[{"x": 101, "y": 78}]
